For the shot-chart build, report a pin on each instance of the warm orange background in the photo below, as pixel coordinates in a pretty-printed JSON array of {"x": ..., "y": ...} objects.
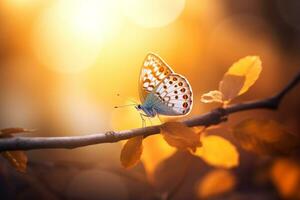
[{"x": 63, "y": 62}]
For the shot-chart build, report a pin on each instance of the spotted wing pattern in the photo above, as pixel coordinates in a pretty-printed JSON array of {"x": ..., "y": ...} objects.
[
  {"x": 153, "y": 71},
  {"x": 175, "y": 96}
]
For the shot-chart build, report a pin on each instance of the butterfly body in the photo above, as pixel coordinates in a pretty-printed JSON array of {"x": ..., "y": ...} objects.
[
  {"x": 162, "y": 91},
  {"x": 148, "y": 107}
]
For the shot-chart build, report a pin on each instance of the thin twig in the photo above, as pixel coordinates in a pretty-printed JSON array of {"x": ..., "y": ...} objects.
[{"x": 211, "y": 118}]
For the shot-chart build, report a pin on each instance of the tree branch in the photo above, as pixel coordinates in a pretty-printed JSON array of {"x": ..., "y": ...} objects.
[{"x": 211, "y": 118}]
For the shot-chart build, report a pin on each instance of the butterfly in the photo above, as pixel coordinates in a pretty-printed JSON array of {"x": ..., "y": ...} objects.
[{"x": 162, "y": 91}]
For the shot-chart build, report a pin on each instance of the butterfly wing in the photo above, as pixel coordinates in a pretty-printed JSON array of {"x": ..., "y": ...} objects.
[
  {"x": 153, "y": 71},
  {"x": 173, "y": 96}
]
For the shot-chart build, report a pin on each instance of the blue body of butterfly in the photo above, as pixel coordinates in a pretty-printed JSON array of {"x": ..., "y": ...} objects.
[{"x": 153, "y": 105}]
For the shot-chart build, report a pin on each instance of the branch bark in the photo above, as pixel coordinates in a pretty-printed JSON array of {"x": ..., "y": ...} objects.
[{"x": 211, "y": 118}]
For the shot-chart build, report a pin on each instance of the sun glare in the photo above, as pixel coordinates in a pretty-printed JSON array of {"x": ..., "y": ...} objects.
[
  {"x": 69, "y": 35},
  {"x": 153, "y": 13},
  {"x": 19, "y": 3}
]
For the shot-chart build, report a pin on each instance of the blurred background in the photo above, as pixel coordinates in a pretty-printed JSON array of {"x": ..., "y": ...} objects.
[{"x": 64, "y": 65}]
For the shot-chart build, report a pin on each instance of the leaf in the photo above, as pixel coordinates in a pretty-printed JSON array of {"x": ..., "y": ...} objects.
[
  {"x": 155, "y": 151},
  {"x": 248, "y": 67},
  {"x": 17, "y": 159},
  {"x": 285, "y": 175},
  {"x": 215, "y": 183},
  {"x": 180, "y": 136},
  {"x": 265, "y": 137},
  {"x": 236, "y": 81},
  {"x": 230, "y": 86},
  {"x": 8, "y": 131},
  {"x": 212, "y": 96},
  {"x": 132, "y": 151},
  {"x": 171, "y": 171},
  {"x": 218, "y": 152}
]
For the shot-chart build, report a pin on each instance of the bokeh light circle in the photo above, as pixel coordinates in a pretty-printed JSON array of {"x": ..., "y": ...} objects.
[
  {"x": 153, "y": 13},
  {"x": 69, "y": 35}
]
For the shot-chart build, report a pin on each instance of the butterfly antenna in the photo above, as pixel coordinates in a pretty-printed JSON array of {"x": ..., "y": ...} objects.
[
  {"x": 121, "y": 106},
  {"x": 134, "y": 103}
]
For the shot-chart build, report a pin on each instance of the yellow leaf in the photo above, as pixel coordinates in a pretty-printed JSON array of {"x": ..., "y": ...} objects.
[
  {"x": 180, "y": 136},
  {"x": 285, "y": 175},
  {"x": 215, "y": 183},
  {"x": 17, "y": 159},
  {"x": 236, "y": 81},
  {"x": 248, "y": 67},
  {"x": 230, "y": 86},
  {"x": 132, "y": 151},
  {"x": 265, "y": 137},
  {"x": 218, "y": 152},
  {"x": 155, "y": 151},
  {"x": 212, "y": 96}
]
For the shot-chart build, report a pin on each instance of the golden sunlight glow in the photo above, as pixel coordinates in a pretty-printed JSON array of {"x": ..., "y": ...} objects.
[
  {"x": 20, "y": 3},
  {"x": 75, "y": 106},
  {"x": 69, "y": 35},
  {"x": 153, "y": 13}
]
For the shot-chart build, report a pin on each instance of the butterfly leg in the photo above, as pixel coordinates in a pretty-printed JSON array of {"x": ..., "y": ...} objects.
[
  {"x": 161, "y": 121},
  {"x": 150, "y": 121},
  {"x": 143, "y": 120}
]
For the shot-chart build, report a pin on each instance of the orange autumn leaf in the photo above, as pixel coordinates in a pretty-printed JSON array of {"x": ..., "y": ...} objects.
[
  {"x": 285, "y": 175},
  {"x": 218, "y": 152},
  {"x": 265, "y": 137},
  {"x": 155, "y": 151},
  {"x": 17, "y": 159},
  {"x": 215, "y": 183},
  {"x": 248, "y": 67},
  {"x": 236, "y": 81},
  {"x": 230, "y": 86},
  {"x": 132, "y": 151},
  {"x": 180, "y": 136}
]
